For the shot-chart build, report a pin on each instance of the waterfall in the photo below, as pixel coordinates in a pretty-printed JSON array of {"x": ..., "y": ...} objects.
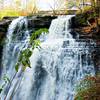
[
  {"x": 17, "y": 39},
  {"x": 57, "y": 67}
]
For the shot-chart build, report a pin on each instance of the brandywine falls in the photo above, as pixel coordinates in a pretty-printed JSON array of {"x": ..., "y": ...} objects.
[{"x": 56, "y": 67}]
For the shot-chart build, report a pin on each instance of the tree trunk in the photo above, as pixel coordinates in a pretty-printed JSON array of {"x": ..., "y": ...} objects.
[{"x": 98, "y": 7}]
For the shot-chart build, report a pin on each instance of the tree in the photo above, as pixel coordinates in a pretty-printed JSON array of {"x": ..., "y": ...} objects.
[
  {"x": 71, "y": 3},
  {"x": 57, "y": 5}
]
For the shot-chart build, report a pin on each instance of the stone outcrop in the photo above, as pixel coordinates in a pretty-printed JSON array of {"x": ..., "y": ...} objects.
[
  {"x": 86, "y": 31},
  {"x": 86, "y": 28},
  {"x": 33, "y": 22},
  {"x": 40, "y": 21}
]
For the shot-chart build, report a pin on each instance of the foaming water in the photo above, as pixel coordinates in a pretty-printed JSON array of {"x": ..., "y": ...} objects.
[
  {"x": 57, "y": 67},
  {"x": 17, "y": 40}
]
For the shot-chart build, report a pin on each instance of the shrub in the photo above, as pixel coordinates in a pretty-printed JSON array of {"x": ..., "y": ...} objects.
[{"x": 88, "y": 89}]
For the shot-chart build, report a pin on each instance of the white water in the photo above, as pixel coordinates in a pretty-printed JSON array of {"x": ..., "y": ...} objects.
[
  {"x": 17, "y": 39},
  {"x": 57, "y": 67}
]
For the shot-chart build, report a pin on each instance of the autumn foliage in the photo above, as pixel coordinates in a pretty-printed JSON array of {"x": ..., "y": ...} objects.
[{"x": 90, "y": 91}]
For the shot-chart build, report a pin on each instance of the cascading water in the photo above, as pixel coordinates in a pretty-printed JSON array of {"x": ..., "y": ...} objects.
[
  {"x": 57, "y": 67},
  {"x": 17, "y": 39}
]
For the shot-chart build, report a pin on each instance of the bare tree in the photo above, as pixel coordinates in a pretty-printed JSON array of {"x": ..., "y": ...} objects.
[{"x": 57, "y": 5}]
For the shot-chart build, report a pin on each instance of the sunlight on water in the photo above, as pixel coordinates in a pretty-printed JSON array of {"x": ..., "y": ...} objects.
[{"x": 56, "y": 67}]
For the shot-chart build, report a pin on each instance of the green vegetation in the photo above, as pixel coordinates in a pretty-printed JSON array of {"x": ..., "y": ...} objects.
[
  {"x": 26, "y": 54},
  {"x": 31, "y": 7},
  {"x": 6, "y": 80},
  {"x": 84, "y": 84},
  {"x": 10, "y": 13},
  {"x": 23, "y": 60},
  {"x": 83, "y": 19},
  {"x": 15, "y": 8},
  {"x": 37, "y": 33},
  {"x": 88, "y": 89}
]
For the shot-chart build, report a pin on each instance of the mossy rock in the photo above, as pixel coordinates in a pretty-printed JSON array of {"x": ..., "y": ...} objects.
[{"x": 92, "y": 92}]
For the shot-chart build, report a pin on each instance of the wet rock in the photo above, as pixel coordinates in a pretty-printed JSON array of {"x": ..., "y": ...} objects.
[
  {"x": 33, "y": 22},
  {"x": 96, "y": 59},
  {"x": 4, "y": 25},
  {"x": 40, "y": 21}
]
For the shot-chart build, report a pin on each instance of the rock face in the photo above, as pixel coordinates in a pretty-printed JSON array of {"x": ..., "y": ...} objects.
[
  {"x": 4, "y": 23},
  {"x": 86, "y": 28},
  {"x": 33, "y": 22},
  {"x": 92, "y": 32},
  {"x": 86, "y": 31},
  {"x": 40, "y": 22}
]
